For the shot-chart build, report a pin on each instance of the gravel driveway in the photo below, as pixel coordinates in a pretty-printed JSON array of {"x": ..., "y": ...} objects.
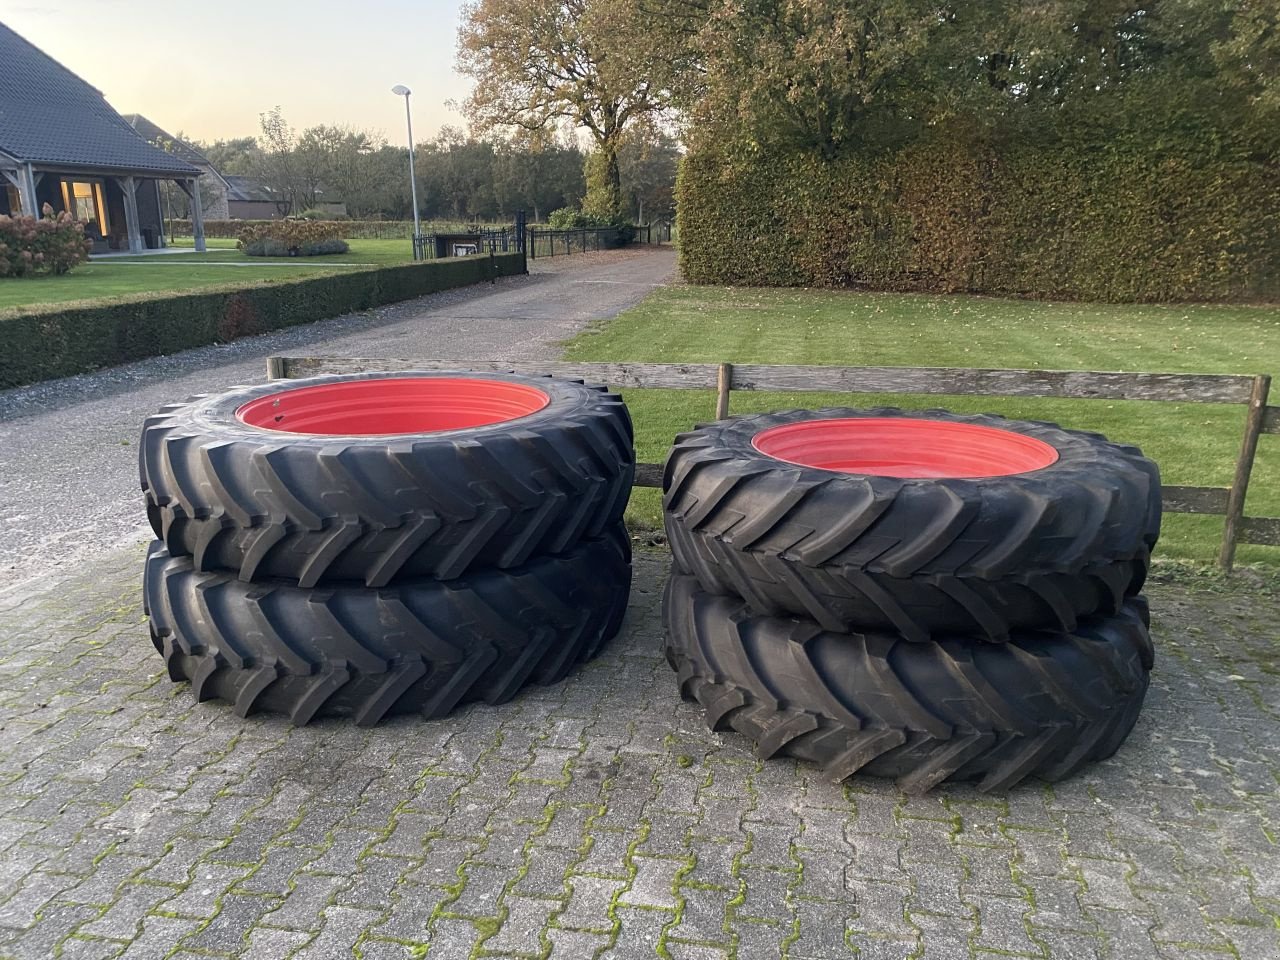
[{"x": 69, "y": 487}]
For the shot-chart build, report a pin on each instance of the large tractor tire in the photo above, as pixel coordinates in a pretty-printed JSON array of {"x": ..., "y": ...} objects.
[
  {"x": 378, "y": 477},
  {"x": 1041, "y": 705},
  {"x": 416, "y": 647},
  {"x": 915, "y": 522}
]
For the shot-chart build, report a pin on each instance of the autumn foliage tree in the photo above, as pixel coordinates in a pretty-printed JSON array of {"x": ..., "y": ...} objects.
[{"x": 541, "y": 63}]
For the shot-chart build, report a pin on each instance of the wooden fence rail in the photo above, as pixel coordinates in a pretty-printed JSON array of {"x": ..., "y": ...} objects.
[{"x": 1251, "y": 392}]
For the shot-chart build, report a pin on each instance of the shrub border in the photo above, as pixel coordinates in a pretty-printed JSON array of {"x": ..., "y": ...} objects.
[{"x": 43, "y": 342}]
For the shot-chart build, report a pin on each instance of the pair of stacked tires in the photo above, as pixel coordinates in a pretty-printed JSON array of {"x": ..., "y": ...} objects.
[
  {"x": 386, "y": 543},
  {"x": 923, "y": 596}
]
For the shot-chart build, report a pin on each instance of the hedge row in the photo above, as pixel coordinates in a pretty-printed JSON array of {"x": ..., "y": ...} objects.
[
  {"x": 951, "y": 216},
  {"x": 59, "y": 340},
  {"x": 349, "y": 229}
]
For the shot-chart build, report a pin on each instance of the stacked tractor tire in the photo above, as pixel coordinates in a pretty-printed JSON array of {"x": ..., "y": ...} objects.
[
  {"x": 923, "y": 596},
  {"x": 386, "y": 543}
]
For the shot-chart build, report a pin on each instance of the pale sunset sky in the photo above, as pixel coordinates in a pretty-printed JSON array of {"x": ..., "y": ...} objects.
[{"x": 209, "y": 69}]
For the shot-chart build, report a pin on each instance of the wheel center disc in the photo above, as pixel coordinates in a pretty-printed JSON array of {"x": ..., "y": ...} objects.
[
  {"x": 391, "y": 406},
  {"x": 905, "y": 447}
]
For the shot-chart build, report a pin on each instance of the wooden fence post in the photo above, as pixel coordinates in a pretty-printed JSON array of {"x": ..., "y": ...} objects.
[
  {"x": 1244, "y": 467},
  {"x": 275, "y": 368},
  {"x": 724, "y": 383}
]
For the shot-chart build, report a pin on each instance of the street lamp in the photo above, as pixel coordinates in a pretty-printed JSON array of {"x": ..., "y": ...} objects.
[{"x": 400, "y": 90}]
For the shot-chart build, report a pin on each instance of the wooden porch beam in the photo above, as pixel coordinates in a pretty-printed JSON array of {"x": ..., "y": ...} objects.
[
  {"x": 130, "y": 187},
  {"x": 197, "y": 216}
]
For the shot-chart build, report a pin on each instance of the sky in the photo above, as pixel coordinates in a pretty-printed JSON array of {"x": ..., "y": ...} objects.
[{"x": 209, "y": 69}]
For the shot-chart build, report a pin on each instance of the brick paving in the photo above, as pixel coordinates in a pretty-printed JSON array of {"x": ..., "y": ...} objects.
[{"x": 598, "y": 818}]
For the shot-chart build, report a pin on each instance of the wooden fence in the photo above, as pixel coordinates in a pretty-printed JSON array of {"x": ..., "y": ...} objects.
[{"x": 1251, "y": 392}]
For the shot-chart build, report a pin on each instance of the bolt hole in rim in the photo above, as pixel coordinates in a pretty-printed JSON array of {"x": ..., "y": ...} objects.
[
  {"x": 401, "y": 405},
  {"x": 906, "y": 448}
]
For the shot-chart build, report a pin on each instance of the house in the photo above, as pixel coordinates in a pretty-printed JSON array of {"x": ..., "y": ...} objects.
[
  {"x": 250, "y": 199},
  {"x": 213, "y": 186},
  {"x": 62, "y": 144}
]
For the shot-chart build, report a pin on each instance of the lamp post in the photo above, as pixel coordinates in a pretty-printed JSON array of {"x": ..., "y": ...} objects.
[{"x": 400, "y": 90}]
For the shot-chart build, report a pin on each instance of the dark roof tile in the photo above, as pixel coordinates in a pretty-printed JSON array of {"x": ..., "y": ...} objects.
[{"x": 48, "y": 115}]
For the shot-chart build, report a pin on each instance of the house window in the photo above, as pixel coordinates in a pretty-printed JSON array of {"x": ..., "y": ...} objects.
[
  {"x": 15, "y": 201},
  {"x": 84, "y": 199}
]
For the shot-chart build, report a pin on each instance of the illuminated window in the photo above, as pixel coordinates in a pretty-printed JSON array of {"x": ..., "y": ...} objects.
[{"x": 85, "y": 201}]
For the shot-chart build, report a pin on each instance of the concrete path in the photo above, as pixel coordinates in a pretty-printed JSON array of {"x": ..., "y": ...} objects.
[{"x": 69, "y": 483}]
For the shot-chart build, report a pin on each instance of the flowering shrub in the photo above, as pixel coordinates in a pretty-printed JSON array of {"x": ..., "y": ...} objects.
[
  {"x": 292, "y": 238},
  {"x": 52, "y": 244}
]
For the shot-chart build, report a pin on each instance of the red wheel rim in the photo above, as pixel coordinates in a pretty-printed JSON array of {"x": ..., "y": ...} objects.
[
  {"x": 905, "y": 447},
  {"x": 391, "y": 406}
]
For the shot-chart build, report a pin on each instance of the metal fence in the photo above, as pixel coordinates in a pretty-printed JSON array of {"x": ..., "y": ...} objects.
[{"x": 535, "y": 241}]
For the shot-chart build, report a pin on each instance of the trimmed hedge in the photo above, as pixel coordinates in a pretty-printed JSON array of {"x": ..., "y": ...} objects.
[
  {"x": 297, "y": 238},
  {"x": 949, "y": 215},
  {"x": 349, "y": 229},
  {"x": 59, "y": 340}
]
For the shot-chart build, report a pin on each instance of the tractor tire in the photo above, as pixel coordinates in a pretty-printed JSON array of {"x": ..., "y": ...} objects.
[
  {"x": 1044, "y": 704},
  {"x": 1064, "y": 532},
  {"x": 464, "y": 471},
  {"x": 418, "y": 647}
]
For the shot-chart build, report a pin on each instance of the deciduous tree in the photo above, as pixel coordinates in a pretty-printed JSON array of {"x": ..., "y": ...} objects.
[{"x": 537, "y": 63}]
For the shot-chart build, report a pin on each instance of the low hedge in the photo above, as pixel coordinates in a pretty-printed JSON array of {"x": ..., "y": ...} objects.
[
  {"x": 59, "y": 340},
  {"x": 350, "y": 229},
  {"x": 292, "y": 238}
]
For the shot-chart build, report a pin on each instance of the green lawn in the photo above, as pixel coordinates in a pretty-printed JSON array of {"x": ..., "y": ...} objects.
[
  {"x": 147, "y": 274},
  {"x": 1194, "y": 443}
]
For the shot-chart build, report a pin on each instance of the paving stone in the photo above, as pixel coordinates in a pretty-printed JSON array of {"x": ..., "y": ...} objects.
[
  {"x": 1003, "y": 925},
  {"x": 209, "y": 882},
  {"x": 228, "y": 930},
  {"x": 880, "y": 910},
  {"x": 301, "y": 907},
  {"x": 454, "y": 938},
  {"x": 122, "y": 919},
  {"x": 822, "y": 875},
  {"x": 1063, "y": 945},
  {"x": 589, "y": 904},
  {"x": 343, "y": 926},
  {"x": 639, "y": 933},
  {"x": 409, "y": 912},
  {"x": 607, "y": 856},
  {"x": 695, "y": 951},
  {"x": 771, "y": 846},
  {"x": 821, "y": 930},
  {"x": 764, "y": 894},
  {"x": 41, "y": 939},
  {"x": 879, "y": 948},
  {"x": 522, "y": 927},
  {"x": 22, "y": 909},
  {"x": 479, "y": 897},
  {"x": 653, "y": 884},
  {"x": 158, "y": 937},
  {"x": 75, "y": 948},
  {"x": 276, "y": 873},
  {"x": 575, "y": 944},
  {"x": 705, "y": 915},
  {"x": 371, "y": 949},
  {"x": 546, "y": 873}
]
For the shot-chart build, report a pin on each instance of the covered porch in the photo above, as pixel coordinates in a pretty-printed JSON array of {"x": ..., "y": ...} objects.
[{"x": 121, "y": 209}]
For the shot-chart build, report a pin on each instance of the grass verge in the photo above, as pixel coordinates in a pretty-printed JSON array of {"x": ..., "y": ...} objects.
[{"x": 180, "y": 272}]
